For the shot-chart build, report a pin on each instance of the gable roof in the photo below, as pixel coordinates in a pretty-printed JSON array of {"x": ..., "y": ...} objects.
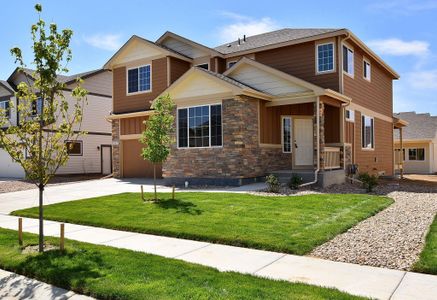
[
  {"x": 7, "y": 86},
  {"x": 271, "y": 38},
  {"x": 169, "y": 34},
  {"x": 420, "y": 126},
  {"x": 133, "y": 38}
]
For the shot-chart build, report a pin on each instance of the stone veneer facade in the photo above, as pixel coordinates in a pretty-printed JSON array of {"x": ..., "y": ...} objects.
[
  {"x": 116, "y": 159},
  {"x": 239, "y": 160}
]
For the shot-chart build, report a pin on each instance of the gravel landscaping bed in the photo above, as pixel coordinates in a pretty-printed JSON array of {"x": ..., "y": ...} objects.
[
  {"x": 9, "y": 185},
  {"x": 394, "y": 237}
]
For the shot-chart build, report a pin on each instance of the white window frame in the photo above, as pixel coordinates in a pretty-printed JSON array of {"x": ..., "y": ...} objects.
[
  {"x": 351, "y": 117},
  {"x": 188, "y": 124},
  {"x": 353, "y": 60},
  {"x": 333, "y": 58},
  {"x": 366, "y": 61},
  {"x": 373, "y": 133},
  {"x": 231, "y": 62},
  {"x": 9, "y": 107},
  {"x": 198, "y": 65},
  {"x": 291, "y": 133},
  {"x": 127, "y": 80},
  {"x": 81, "y": 147}
]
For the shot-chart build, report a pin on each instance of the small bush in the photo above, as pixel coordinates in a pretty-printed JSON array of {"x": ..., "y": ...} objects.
[
  {"x": 295, "y": 182},
  {"x": 369, "y": 181},
  {"x": 273, "y": 184}
]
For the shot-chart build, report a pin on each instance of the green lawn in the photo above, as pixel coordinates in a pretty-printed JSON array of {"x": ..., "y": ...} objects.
[
  {"x": 428, "y": 258},
  {"x": 286, "y": 224},
  {"x": 110, "y": 273}
]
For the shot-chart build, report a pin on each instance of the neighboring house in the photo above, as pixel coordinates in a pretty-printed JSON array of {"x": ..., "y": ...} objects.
[
  {"x": 419, "y": 143},
  {"x": 90, "y": 153},
  {"x": 310, "y": 102}
]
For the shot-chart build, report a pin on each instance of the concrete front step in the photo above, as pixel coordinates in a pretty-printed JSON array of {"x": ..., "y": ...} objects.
[{"x": 285, "y": 176}]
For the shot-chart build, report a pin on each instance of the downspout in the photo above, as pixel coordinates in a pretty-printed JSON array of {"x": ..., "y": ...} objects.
[{"x": 316, "y": 172}]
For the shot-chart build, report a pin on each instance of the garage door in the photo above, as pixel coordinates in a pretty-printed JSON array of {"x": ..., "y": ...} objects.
[
  {"x": 134, "y": 165},
  {"x": 8, "y": 168}
]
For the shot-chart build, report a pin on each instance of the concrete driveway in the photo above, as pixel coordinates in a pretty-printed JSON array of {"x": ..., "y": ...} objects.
[{"x": 93, "y": 188}]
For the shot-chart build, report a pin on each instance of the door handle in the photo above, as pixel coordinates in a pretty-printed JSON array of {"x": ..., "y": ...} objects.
[{"x": 295, "y": 145}]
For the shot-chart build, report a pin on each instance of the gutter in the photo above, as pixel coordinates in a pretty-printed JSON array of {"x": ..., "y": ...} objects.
[{"x": 316, "y": 172}]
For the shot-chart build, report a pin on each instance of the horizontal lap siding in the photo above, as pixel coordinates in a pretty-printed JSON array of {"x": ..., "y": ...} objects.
[
  {"x": 177, "y": 68},
  {"x": 377, "y": 94},
  {"x": 270, "y": 119},
  {"x": 299, "y": 60},
  {"x": 129, "y": 103},
  {"x": 332, "y": 124},
  {"x": 381, "y": 158}
]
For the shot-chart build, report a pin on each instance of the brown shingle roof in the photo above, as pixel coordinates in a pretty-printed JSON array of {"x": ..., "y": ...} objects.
[{"x": 270, "y": 38}]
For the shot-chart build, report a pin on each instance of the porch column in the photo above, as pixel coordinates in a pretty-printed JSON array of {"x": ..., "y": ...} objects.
[
  {"x": 321, "y": 109},
  {"x": 401, "y": 159}
]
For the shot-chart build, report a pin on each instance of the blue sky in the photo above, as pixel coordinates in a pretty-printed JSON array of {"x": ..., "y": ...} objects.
[{"x": 402, "y": 32}]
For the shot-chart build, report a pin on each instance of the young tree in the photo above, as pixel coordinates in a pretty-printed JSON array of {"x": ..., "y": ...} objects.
[
  {"x": 156, "y": 137},
  {"x": 46, "y": 118}
]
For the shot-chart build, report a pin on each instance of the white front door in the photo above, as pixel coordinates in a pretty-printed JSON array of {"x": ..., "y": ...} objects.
[
  {"x": 303, "y": 142},
  {"x": 106, "y": 160}
]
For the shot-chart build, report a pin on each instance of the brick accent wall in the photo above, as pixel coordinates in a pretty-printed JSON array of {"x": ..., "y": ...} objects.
[
  {"x": 116, "y": 168},
  {"x": 240, "y": 157}
]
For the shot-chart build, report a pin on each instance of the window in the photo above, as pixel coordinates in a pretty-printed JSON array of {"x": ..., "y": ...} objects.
[
  {"x": 203, "y": 66},
  {"x": 350, "y": 115},
  {"x": 138, "y": 79},
  {"x": 348, "y": 61},
  {"x": 231, "y": 63},
  {"x": 325, "y": 58},
  {"x": 286, "y": 135},
  {"x": 367, "y": 132},
  {"x": 366, "y": 70},
  {"x": 74, "y": 148},
  {"x": 5, "y": 105},
  {"x": 37, "y": 107},
  {"x": 416, "y": 154},
  {"x": 200, "y": 126}
]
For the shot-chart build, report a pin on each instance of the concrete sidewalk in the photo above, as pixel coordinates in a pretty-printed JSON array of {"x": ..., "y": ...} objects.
[
  {"x": 354, "y": 279},
  {"x": 14, "y": 286}
]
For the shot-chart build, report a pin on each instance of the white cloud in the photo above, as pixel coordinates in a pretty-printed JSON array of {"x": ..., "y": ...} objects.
[
  {"x": 244, "y": 25},
  {"x": 399, "y": 47},
  {"x": 425, "y": 80},
  {"x": 110, "y": 42}
]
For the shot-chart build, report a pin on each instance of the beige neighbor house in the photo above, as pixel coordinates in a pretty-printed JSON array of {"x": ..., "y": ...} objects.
[
  {"x": 309, "y": 102},
  {"x": 90, "y": 153},
  {"x": 419, "y": 143}
]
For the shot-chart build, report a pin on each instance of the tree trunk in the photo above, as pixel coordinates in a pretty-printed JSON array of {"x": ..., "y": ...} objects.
[
  {"x": 154, "y": 180},
  {"x": 41, "y": 219}
]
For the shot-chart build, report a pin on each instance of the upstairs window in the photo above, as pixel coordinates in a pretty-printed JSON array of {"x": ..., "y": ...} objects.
[
  {"x": 5, "y": 106},
  {"x": 200, "y": 126},
  {"x": 416, "y": 154},
  {"x": 203, "y": 66},
  {"x": 139, "y": 79},
  {"x": 350, "y": 115},
  {"x": 325, "y": 58},
  {"x": 366, "y": 70},
  {"x": 367, "y": 132},
  {"x": 37, "y": 107},
  {"x": 348, "y": 60}
]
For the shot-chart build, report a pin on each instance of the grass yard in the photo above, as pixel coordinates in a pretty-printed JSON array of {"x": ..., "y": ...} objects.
[
  {"x": 286, "y": 224},
  {"x": 110, "y": 273},
  {"x": 428, "y": 258}
]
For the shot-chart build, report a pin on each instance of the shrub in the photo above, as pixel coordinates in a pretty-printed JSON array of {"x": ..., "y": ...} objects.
[
  {"x": 273, "y": 184},
  {"x": 369, "y": 181},
  {"x": 295, "y": 182}
]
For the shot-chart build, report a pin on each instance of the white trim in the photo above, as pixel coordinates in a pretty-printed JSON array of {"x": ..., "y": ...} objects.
[
  {"x": 373, "y": 132},
  {"x": 333, "y": 58},
  {"x": 344, "y": 45},
  {"x": 198, "y": 65},
  {"x": 127, "y": 80},
  {"x": 349, "y": 119},
  {"x": 366, "y": 61},
  {"x": 291, "y": 133},
  {"x": 407, "y": 154},
  {"x": 78, "y": 142},
  {"x": 9, "y": 111},
  {"x": 188, "y": 126}
]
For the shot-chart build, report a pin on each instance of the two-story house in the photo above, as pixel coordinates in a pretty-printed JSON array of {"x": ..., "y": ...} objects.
[
  {"x": 92, "y": 152},
  {"x": 307, "y": 101}
]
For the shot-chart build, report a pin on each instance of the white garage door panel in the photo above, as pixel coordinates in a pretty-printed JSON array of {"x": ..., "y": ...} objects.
[{"x": 8, "y": 168}]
